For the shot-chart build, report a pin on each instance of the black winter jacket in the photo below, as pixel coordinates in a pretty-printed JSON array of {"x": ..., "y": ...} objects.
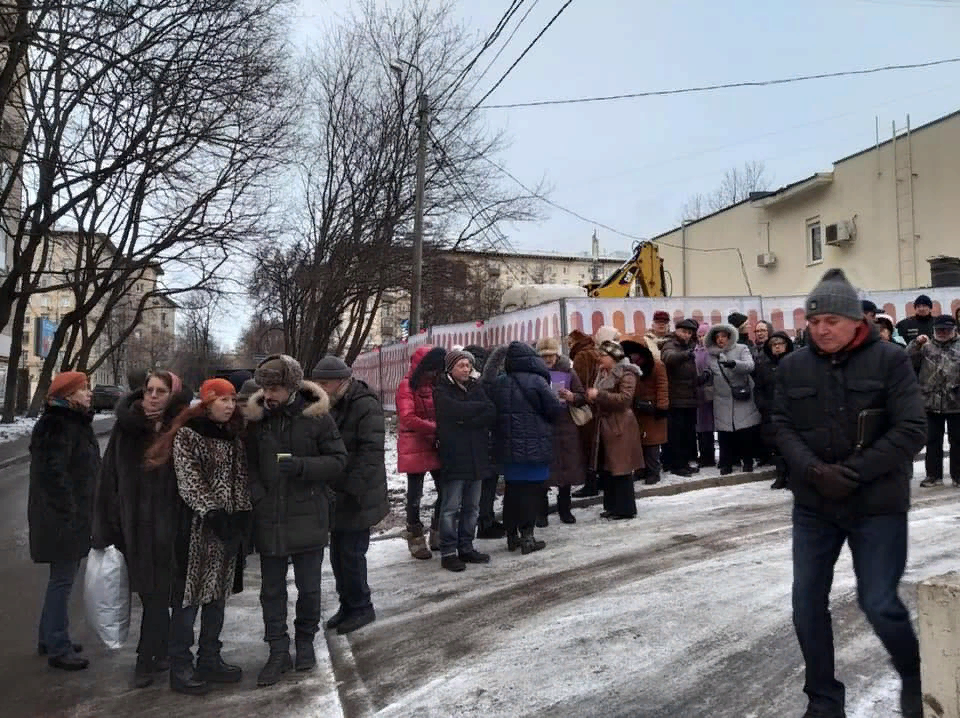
[
  {"x": 292, "y": 516},
  {"x": 682, "y": 375},
  {"x": 64, "y": 460},
  {"x": 137, "y": 509},
  {"x": 465, "y": 416},
  {"x": 764, "y": 377},
  {"x": 818, "y": 400},
  {"x": 526, "y": 409},
  {"x": 912, "y": 327},
  {"x": 360, "y": 502}
]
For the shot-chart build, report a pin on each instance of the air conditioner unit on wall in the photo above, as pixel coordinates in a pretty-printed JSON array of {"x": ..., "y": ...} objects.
[
  {"x": 767, "y": 259},
  {"x": 841, "y": 233}
]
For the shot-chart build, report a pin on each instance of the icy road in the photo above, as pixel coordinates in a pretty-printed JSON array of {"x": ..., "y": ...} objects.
[{"x": 682, "y": 613}]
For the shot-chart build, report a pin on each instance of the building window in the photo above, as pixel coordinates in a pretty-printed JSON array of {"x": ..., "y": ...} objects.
[{"x": 814, "y": 242}]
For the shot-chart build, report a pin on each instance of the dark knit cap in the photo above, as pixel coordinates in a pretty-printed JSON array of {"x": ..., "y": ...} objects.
[
  {"x": 331, "y": 368},
  {"x": 737, "y": 319},
  {"x": 834, "y": 295},
  {"x": 944, "y": 321},
  {"x": 923, "y": 301},
  {"x": 868, "y": 306},
  {"x": 456, "y": 355},
  {"x": 690, "y": 324},
  {"x": 279, "y": 370}
]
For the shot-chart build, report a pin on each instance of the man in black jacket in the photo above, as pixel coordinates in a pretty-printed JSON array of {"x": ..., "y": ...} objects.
[
  {"x": 849, "y": 418},
  {"x": 361, "y": 502},
  {"x": 296, "y": 456},
  {"x": 921, "y": 323}
]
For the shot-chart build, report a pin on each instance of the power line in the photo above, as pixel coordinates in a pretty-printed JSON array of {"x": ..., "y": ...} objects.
[
  {"x": 509, "y": 69},
  {"x": 505, "y": 44},
  {"x": 721, "y": 86}
]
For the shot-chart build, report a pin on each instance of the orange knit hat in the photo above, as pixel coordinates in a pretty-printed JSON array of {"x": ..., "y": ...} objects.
[
  {"x": 212, "y": 389},
  {"x": 64, "y": 384}
]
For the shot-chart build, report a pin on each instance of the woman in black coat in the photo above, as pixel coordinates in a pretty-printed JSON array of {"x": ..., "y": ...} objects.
[
  {"x": 523, "y": 440},
  {"x": 138, "y": 510},
  {"x": 64, "y": 460},
  {"x": 777, "y": 346}
]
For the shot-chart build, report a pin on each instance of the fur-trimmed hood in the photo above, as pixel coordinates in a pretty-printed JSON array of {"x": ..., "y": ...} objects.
[
  {"x": 493, "y": 367},
  {"x": 315, "y": 402},
  {"x": 710, "y": 341}
]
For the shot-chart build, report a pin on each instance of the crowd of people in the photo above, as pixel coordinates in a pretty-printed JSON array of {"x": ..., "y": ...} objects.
[{"x": 189, "y": 486}]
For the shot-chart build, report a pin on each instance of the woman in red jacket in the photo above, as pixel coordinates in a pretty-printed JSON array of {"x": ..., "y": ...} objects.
[{"x": 417, "y": 439}]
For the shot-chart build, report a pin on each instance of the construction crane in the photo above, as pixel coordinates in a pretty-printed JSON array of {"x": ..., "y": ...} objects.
[{"x": 644, "y": 268}]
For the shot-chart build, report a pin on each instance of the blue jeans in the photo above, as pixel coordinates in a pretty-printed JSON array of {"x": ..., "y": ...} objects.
[
  {"x": 54, "y": 619},
  {"x": 348, "y": 558},
  {"x": 181, "y": 632},
  {"x": 459, "y": 508},
  {"x": 878, "y": 545}
]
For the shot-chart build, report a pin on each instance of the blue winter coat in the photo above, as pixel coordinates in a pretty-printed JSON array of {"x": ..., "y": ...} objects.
[{"x": 526, "y": 409}]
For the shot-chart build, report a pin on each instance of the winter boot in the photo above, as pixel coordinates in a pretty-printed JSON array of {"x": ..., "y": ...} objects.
[
  {"x": 474, "y": 556},
  {"x": 564, "y": 505},
  {"x": 434, "y": 539},
  {"x": 590, "y": 488},
  {"x": 277, "y": 664},
  {"x": 416, "y": 543},
  {"x": 42, "y": 649},
  {"x": 513, "y": 541},
  {"x": 356, "y": 621},
  {"x": 543, "y": 510},
  {"x": 814, "y": 712},
  {"x": 494, "y": 530},
  {"x": 932, "y": 481},
  {"x": 184, "y": 680},
  {"x": 453, "y": 563},
  {"x": 216, "y": 670},
  {"x": 68, "y": 662},
  {"x": 143, "y": 672},
  {"x": 336, "y": 619},
  {"x": 306, "y": 657},
  {"x": 780, "y": 482},
  {"x": 748, "y": 466},
  {"x": 161, "y": 664},
  {"x": 528, "y": 544}
]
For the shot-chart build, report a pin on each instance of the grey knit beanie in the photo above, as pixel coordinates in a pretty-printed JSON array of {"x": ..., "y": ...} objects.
[
  {"x": 279, "y": 370},
  {"x": 331, "y": 368},
  {"x": 455, "y": 355},
  {"x": 834, "y": 295}
]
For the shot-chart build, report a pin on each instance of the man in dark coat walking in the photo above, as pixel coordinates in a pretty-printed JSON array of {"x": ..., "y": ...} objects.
[
  {"x": 849, "y": 418},
  {"x": 296, "y": 459},
  {"x": 361, "y": 501}
]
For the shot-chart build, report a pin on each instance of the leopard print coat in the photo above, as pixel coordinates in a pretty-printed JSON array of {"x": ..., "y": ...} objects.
[{"x": 211, "y": 474}]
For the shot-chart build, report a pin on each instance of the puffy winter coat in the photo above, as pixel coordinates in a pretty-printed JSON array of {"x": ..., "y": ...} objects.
[
  {"x": 568, "y": 467},
  {"x": 527, "y": 408},
  {"x": 135, "y": 508},
  {"x": 653, "y": 388},
  {"x": 730, "y": 414},
  {"x": 912, "y": 327},
  {"x": 817, "y": 406},
  {"x": 416, "y": 422},
  {"x": 764, "y": 377},
  {"x": 681, "y": 365},
  {"x": 292, "y": 515},
  {"x": 361, "y": 500},
  {"x": 64, "y": 460},
  {"x": 465, "y": 416},
  {"x": 617, "y": 426},
  {"x": 938, "y": 369}
]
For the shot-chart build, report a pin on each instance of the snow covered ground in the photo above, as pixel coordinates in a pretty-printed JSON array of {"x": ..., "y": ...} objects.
[
  {"x": 21, "y": 426},
  {"x": 684, "y": 612}
]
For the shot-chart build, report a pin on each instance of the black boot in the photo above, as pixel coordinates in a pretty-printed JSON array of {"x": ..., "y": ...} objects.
[
  {"x": 493, "y": 530},
  {"x": 513, "y": 541},
  {"x": 306, "y": 656},
  {"x": 356, "y": 621},
  {"x": 184, "y": 680},
  {"x": 143, "y": 672},
  {"x": 544, "y": 509},
  {"x": 216, "y": 670},
  {"x": 68, "y": 662},
  {"x": 277, "y": 664},
  {"x": 590, "y": 488},
  {"x": 564, "y": 505},
  {"x": 528, "y": 544},
  {"x": 335, "y": 620}
]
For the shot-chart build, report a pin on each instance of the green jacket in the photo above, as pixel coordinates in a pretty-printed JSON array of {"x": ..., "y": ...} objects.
[{"x": 292, "y": 515}]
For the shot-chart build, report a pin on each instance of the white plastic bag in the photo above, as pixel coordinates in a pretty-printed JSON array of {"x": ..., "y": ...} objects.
[{"x": 106, "y": 596}]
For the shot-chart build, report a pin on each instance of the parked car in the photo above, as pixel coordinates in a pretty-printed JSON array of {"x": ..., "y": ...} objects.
[{"x": 106, "y": 396}]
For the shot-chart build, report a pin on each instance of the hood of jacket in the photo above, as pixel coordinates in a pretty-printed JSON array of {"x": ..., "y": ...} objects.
[
  {"x": 493, "y": 366},
  {"x": 578, "y": 342},
  {"x": 310, "y": 396},
  {"x": 778, "y": 335},
  {"x": 710, "y": 341},
  {"x": 430, "y": 361},
  {"x": 524, "y": 358},
  {"x": 479, "y": 355},
  {"x": 644, "y": 356}
]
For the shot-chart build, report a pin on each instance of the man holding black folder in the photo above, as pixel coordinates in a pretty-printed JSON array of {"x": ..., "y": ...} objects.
[{"x": 849, "y": 418}]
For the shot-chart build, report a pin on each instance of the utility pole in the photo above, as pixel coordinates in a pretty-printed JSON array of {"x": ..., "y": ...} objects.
[{"x": 423, "y": 120}]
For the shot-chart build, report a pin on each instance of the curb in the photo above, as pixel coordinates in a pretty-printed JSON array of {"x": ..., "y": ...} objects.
[{"x": 25, "y": 457}]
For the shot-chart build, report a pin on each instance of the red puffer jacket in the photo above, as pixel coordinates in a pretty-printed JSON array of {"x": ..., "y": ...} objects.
[{"x": 416, "y": 423}]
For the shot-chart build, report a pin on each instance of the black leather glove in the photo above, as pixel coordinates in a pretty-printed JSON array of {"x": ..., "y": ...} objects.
[
  {"x": 290, "y": 468},
  {"x": 728, "y": 364},
  {"x": 643, "y": 407},
  {"x": 833, "y": 481},
  {"x": 219, "y": 522}
]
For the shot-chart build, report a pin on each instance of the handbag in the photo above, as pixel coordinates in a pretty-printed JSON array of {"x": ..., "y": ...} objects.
[
  {"x": 740, "y": 393},
  {"x": 581, "y": 415}
]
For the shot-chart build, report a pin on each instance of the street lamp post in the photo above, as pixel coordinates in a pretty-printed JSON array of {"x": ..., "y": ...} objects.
[{"x": 423, "y": 118}]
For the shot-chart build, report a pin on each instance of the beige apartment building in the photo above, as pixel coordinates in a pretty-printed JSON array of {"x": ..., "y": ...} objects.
[
  {"x": 880, "y": 214},
  {"x": 499, "y": 271}
]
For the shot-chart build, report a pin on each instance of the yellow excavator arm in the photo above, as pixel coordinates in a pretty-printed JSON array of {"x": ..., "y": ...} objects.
[{"x": 645, "y": 268}]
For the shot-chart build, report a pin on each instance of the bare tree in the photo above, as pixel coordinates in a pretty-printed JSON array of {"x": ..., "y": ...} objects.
[
  {"x": 198, "y": 352},
  {"x": 352, "y": 245},
  {"x": 151, "y": 129},
  {"x": 736, "y": 186}
]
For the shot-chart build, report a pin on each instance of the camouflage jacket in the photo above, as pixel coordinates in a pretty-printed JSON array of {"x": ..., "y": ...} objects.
[{"x": 938, "y": 369}]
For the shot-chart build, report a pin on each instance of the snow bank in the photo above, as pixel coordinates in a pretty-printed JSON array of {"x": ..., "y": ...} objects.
[{"x": 21, "y": 427}]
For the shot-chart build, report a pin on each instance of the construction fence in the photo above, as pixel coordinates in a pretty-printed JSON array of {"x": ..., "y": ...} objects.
[{"x": 384, "y": 367}]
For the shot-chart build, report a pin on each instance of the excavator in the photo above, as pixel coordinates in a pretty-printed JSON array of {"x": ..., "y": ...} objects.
[{"x": 644, "y": 268}]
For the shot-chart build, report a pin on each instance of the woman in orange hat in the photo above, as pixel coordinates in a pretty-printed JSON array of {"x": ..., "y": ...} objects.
[
  {"x": 64, "y": 460},
  {"x": 211, "y": 467}
]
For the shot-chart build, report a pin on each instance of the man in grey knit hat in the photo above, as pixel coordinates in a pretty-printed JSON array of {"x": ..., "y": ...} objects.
[{"x": 849, "y": 418}]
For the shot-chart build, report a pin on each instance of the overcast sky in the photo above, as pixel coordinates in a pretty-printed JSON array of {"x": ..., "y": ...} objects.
[{"x": 632, "y": 164}]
